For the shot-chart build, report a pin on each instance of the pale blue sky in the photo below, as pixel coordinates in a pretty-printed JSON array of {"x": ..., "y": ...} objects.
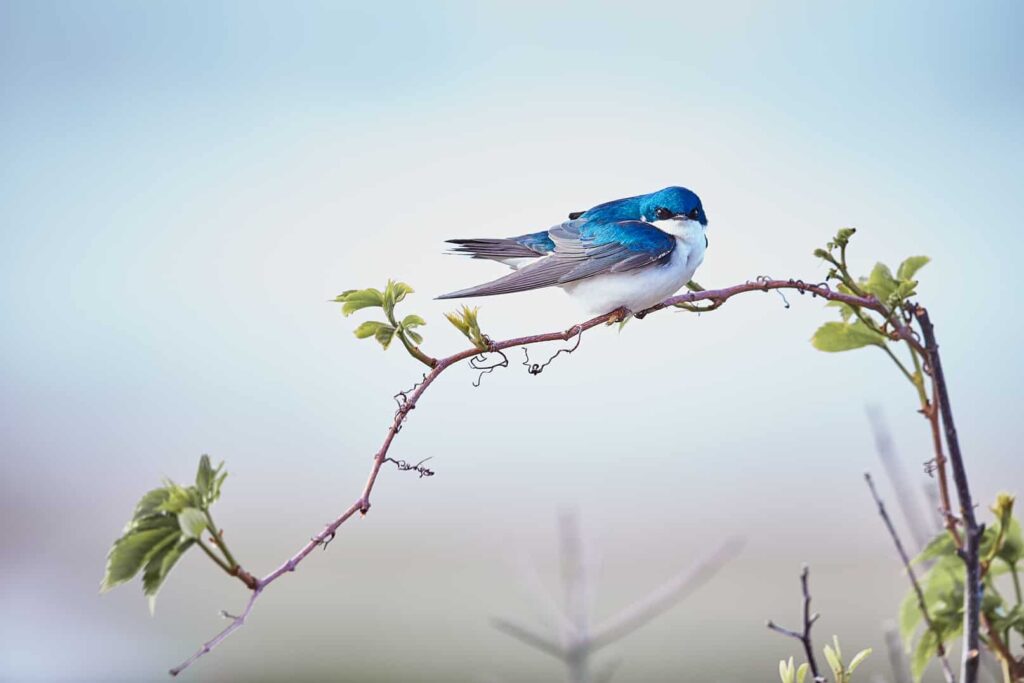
[{"x": 185, "y": 185}]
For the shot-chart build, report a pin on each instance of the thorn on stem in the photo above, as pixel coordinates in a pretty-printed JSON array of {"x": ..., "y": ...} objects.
[{"x": 322, "y": 542}]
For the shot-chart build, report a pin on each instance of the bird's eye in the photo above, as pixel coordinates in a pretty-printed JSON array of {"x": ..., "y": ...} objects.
[
  {"x": 694, "y": 215},
  {"x": 663, "y": 214}
]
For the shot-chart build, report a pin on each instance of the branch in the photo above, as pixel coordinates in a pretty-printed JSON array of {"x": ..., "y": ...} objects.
[
  {"x": 574, "y": 644},
  {"x": 969, "y": 552},
  {"x": 362, "y": 503},
  {"x": 940, "y": 650},
  {"x": 236, "y": 623},
  {"x": 803, "y": 636}
]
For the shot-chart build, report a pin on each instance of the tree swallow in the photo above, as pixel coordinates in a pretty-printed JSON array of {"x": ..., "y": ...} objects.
[{"x": 633, "y": 253}]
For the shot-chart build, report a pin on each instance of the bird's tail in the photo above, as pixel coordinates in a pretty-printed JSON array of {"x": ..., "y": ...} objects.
[
  {"x": 512, "y": 251},
  {"x": 493, "y": 249}
]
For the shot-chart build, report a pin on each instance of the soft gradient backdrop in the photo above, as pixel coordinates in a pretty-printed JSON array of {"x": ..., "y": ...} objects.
[{"x": 184, "y": 186}]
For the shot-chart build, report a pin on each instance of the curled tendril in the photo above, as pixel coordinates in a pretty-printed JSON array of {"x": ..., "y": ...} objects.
[
  {"x": 402, "y": 397},
  {"x": 418, "y": 467},
  {"x": 537, "y": 368},
  {"x": 480, "y": 362},
  {"x": 827, "y": 289}
]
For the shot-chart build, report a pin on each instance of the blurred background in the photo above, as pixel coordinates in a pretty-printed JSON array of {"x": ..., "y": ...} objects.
[{"x": 185, "y": 186}]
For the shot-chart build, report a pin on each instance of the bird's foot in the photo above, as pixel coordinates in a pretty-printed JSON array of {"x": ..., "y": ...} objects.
[{"x": 619, "y": 315}]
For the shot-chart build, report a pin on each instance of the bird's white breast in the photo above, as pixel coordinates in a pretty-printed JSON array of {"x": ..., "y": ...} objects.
[{"x": 643, "y": 287}]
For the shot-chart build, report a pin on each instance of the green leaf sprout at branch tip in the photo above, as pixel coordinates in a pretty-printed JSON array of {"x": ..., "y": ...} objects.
[
  {"x": 166, "y": 523},
  {"x": 841, "y": 672},
  {"x": 861, "y": 327},
  {"x": 466, "y": 322},
  {"x": 385, "y": 332}
]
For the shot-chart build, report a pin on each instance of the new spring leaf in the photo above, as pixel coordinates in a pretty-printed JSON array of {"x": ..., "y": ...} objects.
[
  {"x": 167, "y": 521},
  {"x": 465, "y": 321}
]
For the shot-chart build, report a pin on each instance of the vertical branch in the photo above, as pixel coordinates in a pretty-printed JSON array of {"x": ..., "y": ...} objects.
[
  {"x": 972, "y": 531},
  {"x": 575, "y": 580},
  {"x": 922, "y": 605}
]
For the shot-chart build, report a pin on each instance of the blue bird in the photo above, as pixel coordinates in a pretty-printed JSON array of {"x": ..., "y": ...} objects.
[{"x": 627, "y": 253}]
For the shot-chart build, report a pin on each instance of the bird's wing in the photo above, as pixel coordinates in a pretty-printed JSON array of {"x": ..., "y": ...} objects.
[{"x": 583, "y": 250}]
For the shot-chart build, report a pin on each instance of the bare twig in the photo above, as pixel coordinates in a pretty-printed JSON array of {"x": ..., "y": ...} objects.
[
  {"x": 438, "y": 366},
  {"x": 804, "y": 635},
  {"x": 940, "y": 649},
  {"x": 236, "y": 623}
]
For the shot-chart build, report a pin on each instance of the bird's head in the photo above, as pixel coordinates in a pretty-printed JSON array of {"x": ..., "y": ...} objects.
[{"x": 673, "y": 203}]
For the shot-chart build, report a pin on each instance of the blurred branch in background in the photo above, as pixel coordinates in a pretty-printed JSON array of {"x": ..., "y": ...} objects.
[
  {"x": 897, "y": 658},
  {"x": 906, "y": 496},
  {"x": 574, "y": 640}
]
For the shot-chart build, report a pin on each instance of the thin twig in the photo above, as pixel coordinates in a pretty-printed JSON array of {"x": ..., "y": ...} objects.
[
  {"x": 804, "y": 636},
  {"x": 438, "y": 366},
  {"x": 236, "y": 623},
  {"x": 940, "y": 649}
]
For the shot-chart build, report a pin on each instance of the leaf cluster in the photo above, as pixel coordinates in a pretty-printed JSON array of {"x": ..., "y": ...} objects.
[
  {"x": 860, "y": 327},
  {"x": 394, "y": 292},
  {"x": 166, "y": 523},
  {"x": 1002, "y": 547}
]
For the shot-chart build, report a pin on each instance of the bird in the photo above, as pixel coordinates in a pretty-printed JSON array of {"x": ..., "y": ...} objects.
[{"x": 623, "y": 255}]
